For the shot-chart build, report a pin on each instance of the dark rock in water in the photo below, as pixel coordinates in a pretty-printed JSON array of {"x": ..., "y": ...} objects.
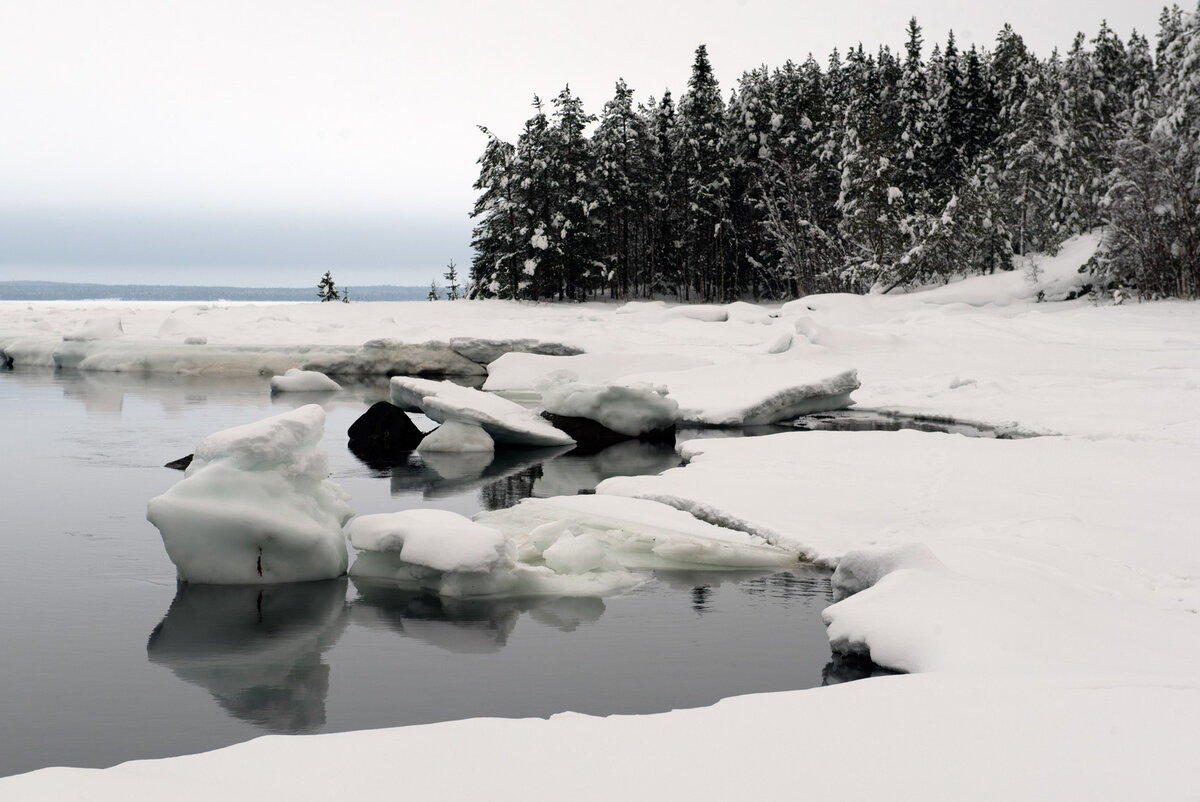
[
  {"x": 180, "y": 464},
  {"x": 383, "y": 434},
  {"x": 593, "y": 437}
]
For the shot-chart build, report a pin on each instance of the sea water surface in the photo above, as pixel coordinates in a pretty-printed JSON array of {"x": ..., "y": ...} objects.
[{"x": 105, "y": 658}]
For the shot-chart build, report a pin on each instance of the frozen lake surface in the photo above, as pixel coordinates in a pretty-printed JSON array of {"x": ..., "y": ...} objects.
[{"x": 106, "y": 659}]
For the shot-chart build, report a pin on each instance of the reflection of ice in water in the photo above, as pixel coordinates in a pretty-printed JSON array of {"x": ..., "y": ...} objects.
[
  {"x": 258, "y": 651},
  {"x": 463, "y": 626}
]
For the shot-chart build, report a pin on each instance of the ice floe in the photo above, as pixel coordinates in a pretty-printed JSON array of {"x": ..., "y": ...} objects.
[{"x": 256, "y": 506}]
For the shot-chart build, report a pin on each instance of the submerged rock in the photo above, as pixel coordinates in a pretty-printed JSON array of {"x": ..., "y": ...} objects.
[{"x": 383, "y": 434}]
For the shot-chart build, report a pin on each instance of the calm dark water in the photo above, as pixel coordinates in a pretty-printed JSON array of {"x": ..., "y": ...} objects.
[{"x": 105, "y": 659}]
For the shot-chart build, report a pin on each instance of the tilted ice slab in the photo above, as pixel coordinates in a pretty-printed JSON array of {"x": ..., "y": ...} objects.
[
  {"x": 506, "y": 421},
  {"x": 255, "y": 506},
  {"x": 765, "y": 390},
  {"x": 636, "y": 532},
  {"x": 303, "y": 381},
  {"x": 630, "y": 410}
]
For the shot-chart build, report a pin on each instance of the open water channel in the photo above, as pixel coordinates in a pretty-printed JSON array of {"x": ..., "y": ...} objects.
[{"x": 105, "y": 658}]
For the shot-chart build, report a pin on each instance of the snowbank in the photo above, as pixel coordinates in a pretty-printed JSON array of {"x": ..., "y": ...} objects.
[{"x": 255, "y": 506}]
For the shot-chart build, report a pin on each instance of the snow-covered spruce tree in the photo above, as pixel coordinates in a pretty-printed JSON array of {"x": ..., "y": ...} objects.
[
  {"x": 665, "y": 226},
  {"x": 326, "y": 290},
  {"x": 451, "y": 276},
  {"x": 700, "y": 165},
  {"x": 620, "y": 152},
  {"x": 496, "y": 265},
  {"x": 869, "y": 199},
  {"x": 747, "y": 146},
  {"x": 570, "y": 264},
  {"x": 433, "y": 291},
  {"x": 533, "y": 179},
  {"x": 1151, "y": 241}
]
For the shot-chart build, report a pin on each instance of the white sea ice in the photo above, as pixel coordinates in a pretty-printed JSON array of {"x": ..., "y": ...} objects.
[
  {"x": 438, "y": 539},
  {"x": 98, "y": 328},
  {"x": 256, "y": 506},
  {"x": 506, "y": 421},
  {"x": 457, "y": 436},
  {"x": 296, "y": 380},
  {"x": 631, "y": 410}
]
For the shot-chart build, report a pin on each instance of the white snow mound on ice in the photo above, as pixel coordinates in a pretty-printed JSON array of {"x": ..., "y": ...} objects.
[
  {"x": 296, "y": 380},
  {"x": 506, "y": 421},
  {"x": 631, "y": 410},
  {"x": 437, "y": 539},
  {"x": 255, "y": 506}
]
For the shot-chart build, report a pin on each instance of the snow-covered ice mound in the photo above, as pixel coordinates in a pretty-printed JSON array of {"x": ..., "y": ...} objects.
[
  {"x": 256, "y": 506},
  {"x": 764, "y": 391},
  {"x": 448, "y": 554},
  {"x": 506, "y": 421},
  {"x": 637, "y": 533},
  {"x": 631, "y": 410},
  {"x": 303, "y": 381},
  {"x": 437, "y": 539}
]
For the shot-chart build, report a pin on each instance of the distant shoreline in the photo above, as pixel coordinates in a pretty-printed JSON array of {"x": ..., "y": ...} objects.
[{"x": 77, "y": 291}]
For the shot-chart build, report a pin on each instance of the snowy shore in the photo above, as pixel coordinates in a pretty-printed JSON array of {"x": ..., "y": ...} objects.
[{"x": 1044, "y": 592}]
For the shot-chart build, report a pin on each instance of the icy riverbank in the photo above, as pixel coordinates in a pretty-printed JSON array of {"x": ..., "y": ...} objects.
[{"x": 1047, "y": 591}]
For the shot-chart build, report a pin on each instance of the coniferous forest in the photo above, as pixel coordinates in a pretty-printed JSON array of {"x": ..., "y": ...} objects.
[{"x": 874, "y": 170}]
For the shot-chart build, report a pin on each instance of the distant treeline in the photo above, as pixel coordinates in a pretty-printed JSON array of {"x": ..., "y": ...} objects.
[
  {"x": 876, "y": 169},
  {"x": 69, "y": 291}
]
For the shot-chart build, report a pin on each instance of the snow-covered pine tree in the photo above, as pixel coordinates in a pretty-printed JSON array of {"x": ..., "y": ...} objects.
[
  {"x": 1151, "y": 243},
  {"x": 496, "y": 264},
  {"x": 701, "y": 167},
  {"x": 326, "y": 289},
  {"x": 620, "y": 153},
  {"x": 433, "y": 291},
  {"x": 533, "y": 178},
  {"x": 574, "y": 270},
  {"x": 665, "y": 227},
  {"x": 869, "y": 199}
]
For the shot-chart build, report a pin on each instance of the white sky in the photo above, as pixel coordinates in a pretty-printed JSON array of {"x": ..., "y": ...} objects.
[{"x": 297, "y": 109}]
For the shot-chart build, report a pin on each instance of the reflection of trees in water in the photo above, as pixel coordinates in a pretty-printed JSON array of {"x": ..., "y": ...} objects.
[
  {"x": 511, "y": 489},
  {"x": 258, "y": 651},
  {"x": 798, "y": 583}
]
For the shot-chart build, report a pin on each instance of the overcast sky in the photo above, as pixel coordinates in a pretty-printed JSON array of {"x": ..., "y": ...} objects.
[{"x": 260, "y": 142}]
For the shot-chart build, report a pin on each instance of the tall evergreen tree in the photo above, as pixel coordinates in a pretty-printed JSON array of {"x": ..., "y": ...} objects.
[{"x": 701, "y": 168}]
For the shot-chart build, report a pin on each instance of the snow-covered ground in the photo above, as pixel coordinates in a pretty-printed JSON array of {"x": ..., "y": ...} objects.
[{"x": 1044, "y": 592}]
